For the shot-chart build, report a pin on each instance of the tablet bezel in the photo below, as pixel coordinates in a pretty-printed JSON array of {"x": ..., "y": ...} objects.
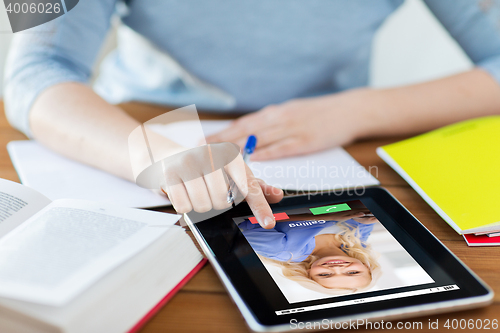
[{"x": 224, "y": 246}]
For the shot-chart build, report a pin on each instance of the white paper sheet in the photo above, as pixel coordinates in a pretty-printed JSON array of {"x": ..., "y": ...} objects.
[
  {"x": 327, "y": 170},
  {"x": 58, "y": 177}
]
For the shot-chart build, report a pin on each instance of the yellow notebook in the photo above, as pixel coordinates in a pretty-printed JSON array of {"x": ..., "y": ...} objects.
[{"x": 456, "y": 169}]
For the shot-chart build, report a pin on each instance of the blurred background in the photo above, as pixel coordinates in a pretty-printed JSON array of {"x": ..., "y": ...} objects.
[{"x": 411, "y": 46}]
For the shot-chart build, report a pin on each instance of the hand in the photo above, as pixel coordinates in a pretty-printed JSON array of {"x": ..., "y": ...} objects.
[
  {"x": 302, "y": 126},
  {"x": 196, "y": 179}
]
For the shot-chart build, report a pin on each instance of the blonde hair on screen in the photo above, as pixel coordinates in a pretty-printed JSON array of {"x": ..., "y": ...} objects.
[{"x": 351, "y": 245}]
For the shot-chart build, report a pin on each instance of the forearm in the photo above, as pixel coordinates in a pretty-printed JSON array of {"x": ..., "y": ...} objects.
[
  {"x": 73, "y": 120},
  {"x": 422, "y": 107}
]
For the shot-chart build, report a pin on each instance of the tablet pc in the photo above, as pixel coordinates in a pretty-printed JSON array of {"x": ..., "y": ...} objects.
[{"x": 335, "y": 260}]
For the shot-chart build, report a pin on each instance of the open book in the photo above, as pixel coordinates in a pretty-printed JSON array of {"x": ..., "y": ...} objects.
[{"x": 82, "y": 266}]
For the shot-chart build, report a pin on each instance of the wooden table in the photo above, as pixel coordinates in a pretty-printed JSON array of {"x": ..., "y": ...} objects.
[{"x": 203, "y": 305}]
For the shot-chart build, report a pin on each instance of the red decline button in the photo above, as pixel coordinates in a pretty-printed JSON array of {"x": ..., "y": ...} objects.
[{"x": 277, "y": 216}]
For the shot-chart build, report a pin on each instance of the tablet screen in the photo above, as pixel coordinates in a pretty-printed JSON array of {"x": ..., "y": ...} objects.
[
  {"x": 333, "y": 256},
  {"x": 331, "y": 250}
]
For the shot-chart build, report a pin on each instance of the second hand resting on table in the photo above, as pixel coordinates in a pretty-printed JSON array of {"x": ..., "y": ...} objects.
[{"x": 306, "y": 125}]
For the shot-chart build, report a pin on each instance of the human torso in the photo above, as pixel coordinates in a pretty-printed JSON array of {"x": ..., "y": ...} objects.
[{"x": 264, "y": 52}]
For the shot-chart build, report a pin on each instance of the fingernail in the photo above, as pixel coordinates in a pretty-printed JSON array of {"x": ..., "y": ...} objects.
[{"x": 268, "y": 221}]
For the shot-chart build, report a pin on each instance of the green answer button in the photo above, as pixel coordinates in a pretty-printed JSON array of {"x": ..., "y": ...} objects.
[{"x": 330, "y": 209}]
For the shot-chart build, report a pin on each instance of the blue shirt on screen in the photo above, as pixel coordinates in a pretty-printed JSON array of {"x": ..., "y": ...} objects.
[{"x": 293, "y": 240}]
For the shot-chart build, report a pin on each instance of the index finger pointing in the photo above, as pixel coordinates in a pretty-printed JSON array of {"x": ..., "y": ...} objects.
[{"x": 258, "y": 203}]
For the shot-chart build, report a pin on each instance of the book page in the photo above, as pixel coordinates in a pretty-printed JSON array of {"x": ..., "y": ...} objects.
[
  {"x": 326, "y": 170},
  {"x": 17, "y": 204},
  {"x": 69, "y": 245}
]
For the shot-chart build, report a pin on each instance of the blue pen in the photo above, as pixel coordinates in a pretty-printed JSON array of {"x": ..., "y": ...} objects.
[{"x": 247, "y": 151}]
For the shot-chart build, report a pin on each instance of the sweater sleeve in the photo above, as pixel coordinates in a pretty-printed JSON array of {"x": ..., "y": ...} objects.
[
  {"x": 61, "y": 50},
  {"x": 475, "y": 26}
]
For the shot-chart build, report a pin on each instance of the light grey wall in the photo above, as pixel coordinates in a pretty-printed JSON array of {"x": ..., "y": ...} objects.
[{"x": 410, "y": 47}]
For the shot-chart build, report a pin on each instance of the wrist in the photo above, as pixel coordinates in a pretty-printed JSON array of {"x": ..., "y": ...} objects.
[
  {"x": 376, "y": 116},
  {"x": 145, "y": 151}
]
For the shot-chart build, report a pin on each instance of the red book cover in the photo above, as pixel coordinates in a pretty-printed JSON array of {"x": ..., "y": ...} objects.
[
  {"x": 165, "y": 299},
  {"x": 481, "y": 240}
]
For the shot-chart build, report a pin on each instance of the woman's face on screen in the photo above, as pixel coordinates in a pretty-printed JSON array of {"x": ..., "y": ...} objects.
[{"x": 340, "y": 272}]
